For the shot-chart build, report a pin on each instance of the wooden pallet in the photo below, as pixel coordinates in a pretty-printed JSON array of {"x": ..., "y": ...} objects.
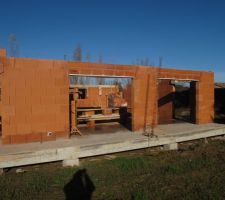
[{"x": 98, "y": 117}]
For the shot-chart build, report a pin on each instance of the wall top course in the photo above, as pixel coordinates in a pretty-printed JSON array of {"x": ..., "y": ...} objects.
[
  {"x": 2, "y": 52},
  {"x": 87, "y": 68}
]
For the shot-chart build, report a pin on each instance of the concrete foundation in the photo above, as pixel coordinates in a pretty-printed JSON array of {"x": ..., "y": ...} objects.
[
  {"x": 70, "y": 150},
  {"x": 70, "y": 162},
  {"x": 35, "y": 155},
  {"x": 171, "y": 146}
]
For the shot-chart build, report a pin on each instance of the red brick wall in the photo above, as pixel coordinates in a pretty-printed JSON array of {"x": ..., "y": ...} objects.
[
  {"x": 144, "y": 104},
  {"x": 2, "y": 52},
  {"x": 35, "y": 95},
  {"x": 205, "y": 99},
  {"x": 141, "y": 114},
  {"x": 96, "y": 99},
  {"x": 34, "y": 100},
  {"x": 127, "y": 93}
]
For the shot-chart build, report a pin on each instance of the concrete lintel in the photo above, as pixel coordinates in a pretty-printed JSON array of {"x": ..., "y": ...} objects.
[{"x": 171, "y": 146}]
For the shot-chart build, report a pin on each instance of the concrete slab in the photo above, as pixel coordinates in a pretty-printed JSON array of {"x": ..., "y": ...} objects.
[{"x": 70, "y": 150}]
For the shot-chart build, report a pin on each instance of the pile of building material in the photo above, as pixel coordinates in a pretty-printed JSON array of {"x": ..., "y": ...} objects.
[{"x": 116, "y": 100}]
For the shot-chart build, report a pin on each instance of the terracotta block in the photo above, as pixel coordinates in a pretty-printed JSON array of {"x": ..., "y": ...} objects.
[
  {"x": 62, "y": 99},
  {"x": 38, "y": 127},
  {"x": 62, "y": 134},
  {"x": 6, "y": 99},
  {"x": 23, "y": 128},
  {"x": 64, "y": 91},
  {"x": 2, "y": 52},
  {"x": 18, "y": 139},
  {"x": 91, "y": 124},
  {"x": 35, "y": 98},
  {"x": 46, "y": 100},
  {"x": 38, "y": 109},
  {"x": 59, "y": 126},
  {"x": 60, "y": 82},
  {"x": 6, "y": 121},
  {"x": 6, "y": 139},
  {"x": 8, "y": 110},
  {"x": 64, "y": 108},
  {"x": 33, "y": 137},
  {"x": 8, "y": 129},
  {"x": 107, "y": 111}
]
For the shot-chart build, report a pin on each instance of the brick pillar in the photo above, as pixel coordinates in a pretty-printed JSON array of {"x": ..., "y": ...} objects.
[
  {"x": 205, "y": 99},
  {"x": 144, "y": 102}
]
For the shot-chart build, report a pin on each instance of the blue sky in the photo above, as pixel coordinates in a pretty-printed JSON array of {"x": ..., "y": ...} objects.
[{"x": 188, "y": 34}]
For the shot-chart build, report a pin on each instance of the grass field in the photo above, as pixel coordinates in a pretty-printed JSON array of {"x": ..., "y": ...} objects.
[{"x": 196, "y": 171}]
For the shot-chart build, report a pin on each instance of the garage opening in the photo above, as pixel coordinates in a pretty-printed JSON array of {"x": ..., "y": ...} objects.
[
  {"x": 100, "y": 104},
  {"x": 219, "y": 103},
  {"x": 176, "y": 101}
]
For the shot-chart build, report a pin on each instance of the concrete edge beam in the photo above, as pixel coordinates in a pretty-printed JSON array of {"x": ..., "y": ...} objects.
[
  {"x": 70, "y": 162},
  {"x": 70, "y": 155},
  {"x": 171, "y": 146},
  {"x": 43, "y": 156}
]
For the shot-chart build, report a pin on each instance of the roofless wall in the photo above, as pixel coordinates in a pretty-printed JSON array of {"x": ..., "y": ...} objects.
[{"x": 35, "y": 95}]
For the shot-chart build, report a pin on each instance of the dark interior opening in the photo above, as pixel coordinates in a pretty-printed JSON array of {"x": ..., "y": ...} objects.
[
  {"x": 219, "y": 104},
  {"x": 177, "y": 101},
  {"x": 82, "y": 93}
]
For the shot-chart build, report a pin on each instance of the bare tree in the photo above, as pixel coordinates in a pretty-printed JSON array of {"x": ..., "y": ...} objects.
[
  {"x": 143, "y": 61},
  {"x": 118, "y": 82},
  {"x": 100, "y": 80},
  {"x": 100, "y": 58},
  {"x": 13, "y": 45},
  {"x": 0, "y": 45},
  {"x": 77, "y": 54},
  {"x": 160, "y": 61},
  {"x": 146, "y": 61},
  {"x": 88, "y": 56}
]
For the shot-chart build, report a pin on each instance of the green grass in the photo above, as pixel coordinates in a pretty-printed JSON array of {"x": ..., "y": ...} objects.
[{"x": 196, "y": 173}]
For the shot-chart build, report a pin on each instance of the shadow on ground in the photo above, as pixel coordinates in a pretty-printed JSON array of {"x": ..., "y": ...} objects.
[{"x": 80, "y": 187}]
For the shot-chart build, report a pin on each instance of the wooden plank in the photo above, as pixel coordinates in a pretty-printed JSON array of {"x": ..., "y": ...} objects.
[
  {"x": 88, "y": 109},
  {"x": 93, "y": 86},
  {"x": 98, "y": 117},
  {"x": 91, "y": 109}
]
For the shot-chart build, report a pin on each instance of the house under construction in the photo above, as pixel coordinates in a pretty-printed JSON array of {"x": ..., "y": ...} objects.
[{"x": 38, "y": 102}]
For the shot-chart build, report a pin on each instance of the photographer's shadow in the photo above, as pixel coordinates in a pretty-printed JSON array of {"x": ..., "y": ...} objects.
[{"x": 80, "y": 187}]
